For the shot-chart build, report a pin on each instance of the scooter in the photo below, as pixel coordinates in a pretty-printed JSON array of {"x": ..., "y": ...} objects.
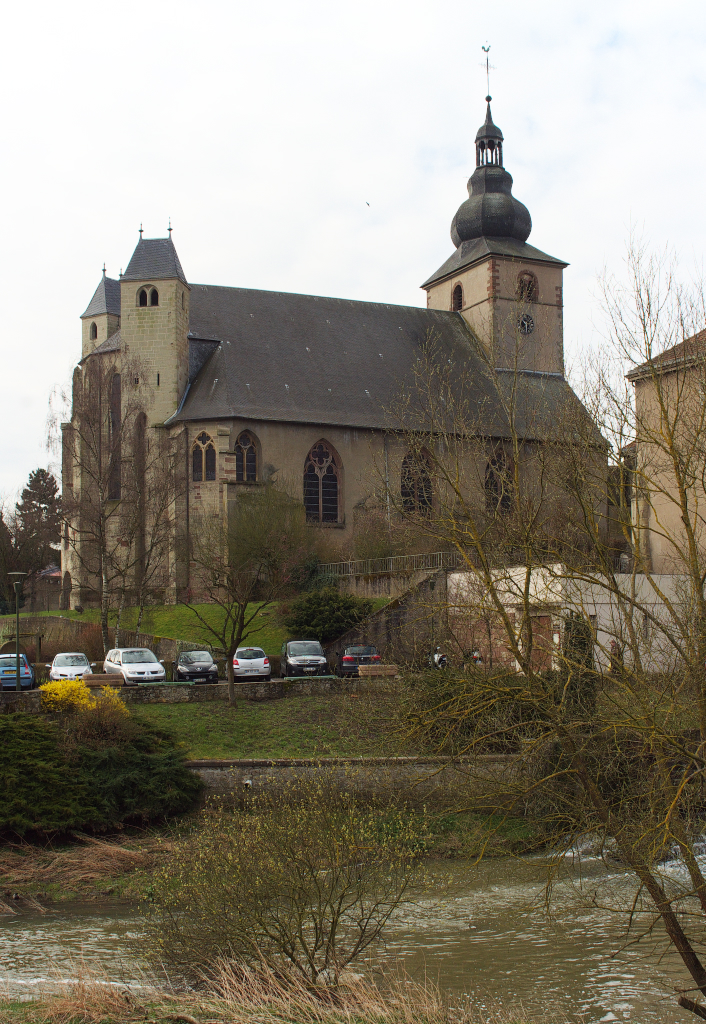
[{"x": 437, "y": 659}]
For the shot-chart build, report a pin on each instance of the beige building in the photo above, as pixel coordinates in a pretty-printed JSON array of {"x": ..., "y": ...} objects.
[{"x": 216, "y": 389}]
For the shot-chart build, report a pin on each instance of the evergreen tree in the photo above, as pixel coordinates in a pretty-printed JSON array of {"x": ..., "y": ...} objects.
[{"x": 38, "y": 519}]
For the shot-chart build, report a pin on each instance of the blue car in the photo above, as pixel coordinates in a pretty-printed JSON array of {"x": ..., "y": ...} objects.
[{"x": 8, "y": 672}]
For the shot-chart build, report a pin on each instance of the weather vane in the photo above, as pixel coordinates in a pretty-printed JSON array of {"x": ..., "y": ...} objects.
[{"x": 488, "y": 68}]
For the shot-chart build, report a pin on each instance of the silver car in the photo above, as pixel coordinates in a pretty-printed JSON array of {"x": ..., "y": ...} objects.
[
  {"x": 251, "y": 663},
  {"x": 71, "y": 665},
  {"x": 303, "y": 658},
  {"x": 135, "y": 664}
]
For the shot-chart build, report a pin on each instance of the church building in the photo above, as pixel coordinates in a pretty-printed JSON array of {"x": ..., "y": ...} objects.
[{"x": 252, "y": 385}]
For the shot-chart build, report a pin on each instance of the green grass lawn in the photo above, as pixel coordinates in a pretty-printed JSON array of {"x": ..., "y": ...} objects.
[
  {"x": 180, "y": 623},
  {"x": 346, "y": 725}
]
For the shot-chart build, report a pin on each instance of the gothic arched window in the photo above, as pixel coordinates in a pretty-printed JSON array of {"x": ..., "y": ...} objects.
[
  {"x": 498, "y": 486},
  {"x": 203, "y": 458},
  {"x": 154, "y": 297},
  {"x": 142, "y": 297},
  {"x": 93, "y": 332},
  {"x": 114, "y": 424},
  {"x": 527, "y": 287},
  {"x": 416, "y": 484},
  {"x": 457, "y": 299},
  {"x": 245, "y": 458},
  {"x": 321, "y": 484}
]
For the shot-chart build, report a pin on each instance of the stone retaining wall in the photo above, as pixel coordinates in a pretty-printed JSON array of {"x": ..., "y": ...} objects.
[{"x": 414, "y": 781}]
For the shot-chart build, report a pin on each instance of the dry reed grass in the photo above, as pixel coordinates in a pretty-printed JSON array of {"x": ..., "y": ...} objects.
[{"x": 23, "y": 866}]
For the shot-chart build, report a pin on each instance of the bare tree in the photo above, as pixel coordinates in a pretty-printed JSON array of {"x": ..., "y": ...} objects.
[{"x": 246, "y": 562}]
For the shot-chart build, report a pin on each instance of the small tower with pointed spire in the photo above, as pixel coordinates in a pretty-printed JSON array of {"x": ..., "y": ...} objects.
[
  {"x": 101, "y": 320},
  {"x": 509, "y": 292}
]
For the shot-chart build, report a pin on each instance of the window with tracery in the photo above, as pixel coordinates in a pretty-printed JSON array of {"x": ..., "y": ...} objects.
[
  {"x": 527, "y": 287},
  {"x": 93, "y": 333},
  {"x": 498, "y": 486},
  {"x": 203, "y": 458},
  {"x": 416, "y": 485},
  {"x": 321, "y": 485},
  {"x": 457, "y": 299},
  {"x": 245, "y": 458}
]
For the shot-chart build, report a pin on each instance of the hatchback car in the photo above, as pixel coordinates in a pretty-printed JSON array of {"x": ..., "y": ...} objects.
[
  {"x": 195, "y": 667},
  {"x": 135, "y": 664},
  {"x": 72, "y": 665},
  {"x": 251, "y": 663},
  {"x": 352, "y": 657},
  {"x": 8, "y": 672},
  {"x": 303, "y": 658}
]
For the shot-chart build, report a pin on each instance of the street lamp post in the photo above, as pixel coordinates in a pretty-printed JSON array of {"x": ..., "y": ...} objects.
[{"x": 18, "y": 590}]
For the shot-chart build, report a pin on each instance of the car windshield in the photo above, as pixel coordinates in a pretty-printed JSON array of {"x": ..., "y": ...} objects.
[
  {"x": 67, "y": 660},
  {"x": 360, "y": 651},
  {"x": 249, "y": 653},
  {"x": 302, "y": 648},
  {"x": 8, "y": 660},
  {"x": 140, "y": 657},
  {"x": 196, "y": 658}
]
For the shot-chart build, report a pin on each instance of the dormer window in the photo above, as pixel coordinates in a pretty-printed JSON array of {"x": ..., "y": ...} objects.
[
  {"x": 154, "y": 297},
  {"x": 142, "y": 297},
  {"x": 457, "y": 299},
  {"x": 93, "y": 332}
]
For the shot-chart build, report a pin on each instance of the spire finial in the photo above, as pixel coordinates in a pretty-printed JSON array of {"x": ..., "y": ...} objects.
[
  {"x": 140, "y": 230},
  {"x": 104, "y": 270},
  {"x": 170, "y": 227},
  {"x": 488, "y": 68}
]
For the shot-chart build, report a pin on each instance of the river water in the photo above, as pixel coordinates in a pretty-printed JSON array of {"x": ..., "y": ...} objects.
[{"x": 482, "y": 934}]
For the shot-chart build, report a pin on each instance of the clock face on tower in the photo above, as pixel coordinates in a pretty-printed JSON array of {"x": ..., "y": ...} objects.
[{"x": 525, "y": 323}]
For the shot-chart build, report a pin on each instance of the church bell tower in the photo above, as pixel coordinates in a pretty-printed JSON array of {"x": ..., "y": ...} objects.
[{"x": 509, "y": 292}]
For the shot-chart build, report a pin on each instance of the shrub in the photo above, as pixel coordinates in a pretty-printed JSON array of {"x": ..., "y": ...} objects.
[
  {"x": 66, "y": 696},
  {"x": 302, "y": 885},
  {"x": 325, "y": 614},
  {"x": 95, "y": 770}
]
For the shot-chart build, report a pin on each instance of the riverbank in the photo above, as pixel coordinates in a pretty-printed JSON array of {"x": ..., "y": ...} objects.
[{"x": 119, "y": 867}]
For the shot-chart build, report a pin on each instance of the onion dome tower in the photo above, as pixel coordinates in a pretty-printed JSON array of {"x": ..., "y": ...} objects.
[
  {"x": 491, "y": 210},
  {"x": 509, "y": 293}
]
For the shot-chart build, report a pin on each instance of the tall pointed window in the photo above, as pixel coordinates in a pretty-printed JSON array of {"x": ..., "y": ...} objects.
[
  {"x": 142, "y": 297},
  {"x": 416, "y": 484},
  {"x": 154, "y": 297},
  {"x": 93, "y": 332},
  {"x": 527, "y": 287},
  {"x": 245, "y": 458},
  {"x": 114, "y": 452},
  {"x": 498, "y": 486},
  {"x": 203, "y": 458},
  {"x": 321, "y": 485},
  {"x": 457, "y": 299}
]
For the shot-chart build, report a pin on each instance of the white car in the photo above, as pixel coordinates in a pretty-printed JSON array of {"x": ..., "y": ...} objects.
[
  {"x": 135, "y": 664},
  {"x": 71, "y": 665},
  {"x": 251, "y": 663}
]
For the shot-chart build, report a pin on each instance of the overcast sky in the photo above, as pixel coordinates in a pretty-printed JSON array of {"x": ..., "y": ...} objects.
[{"x": 265, "y": 129}]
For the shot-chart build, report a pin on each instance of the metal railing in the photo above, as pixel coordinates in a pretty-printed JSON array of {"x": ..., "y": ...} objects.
[{"x": 392, "y": 566}]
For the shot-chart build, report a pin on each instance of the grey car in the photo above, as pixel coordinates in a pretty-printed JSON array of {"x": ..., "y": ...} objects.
[{"x": 303, "y": 658}]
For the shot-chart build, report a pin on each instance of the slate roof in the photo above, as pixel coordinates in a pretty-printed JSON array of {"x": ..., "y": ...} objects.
[
  {"x": 106, "y": 299},
  {"x": 154, "y": 259},
  {"x": 476, "y": 249},
  {"x": 308, "y": 359},
  {"x": 681, "y": 355},
  {"x": 111, "y": 344}
]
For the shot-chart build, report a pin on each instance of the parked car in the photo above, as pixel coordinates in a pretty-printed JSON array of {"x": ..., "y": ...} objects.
[
  {"x": 135, "y": 664},
  {"x": 251, "y": 663},
  {"x": 71, "y": 665},
  {"x": 8, "y": 672},
  {"x": 195, "y": 667},
  {"x": 303, "y": 658},
  {"x": 352, "y": 657}
]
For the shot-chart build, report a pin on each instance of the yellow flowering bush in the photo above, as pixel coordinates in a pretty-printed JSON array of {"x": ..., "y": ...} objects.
[
  {"x": 111, "y": 700},
  {"x": 67, "y": 696}
]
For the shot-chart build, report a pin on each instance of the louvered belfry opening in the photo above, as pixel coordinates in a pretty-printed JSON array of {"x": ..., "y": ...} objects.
[
  {"x": 457, "y": 299},
  {"x": 321, "y": 485}
]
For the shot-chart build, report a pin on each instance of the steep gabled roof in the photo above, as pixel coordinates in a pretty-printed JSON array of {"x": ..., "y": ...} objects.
[
  {"x": 106, "y": 299},
  {"x": 309, "y": 359},
  {"x": 154, "y": 259}
]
